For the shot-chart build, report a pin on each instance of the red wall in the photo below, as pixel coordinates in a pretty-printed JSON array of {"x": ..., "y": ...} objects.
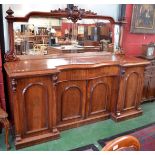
[{"x": 132, "y": 42}]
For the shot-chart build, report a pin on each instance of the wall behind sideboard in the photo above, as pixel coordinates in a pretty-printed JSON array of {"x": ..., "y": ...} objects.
[{"x": 132, "y": 43}]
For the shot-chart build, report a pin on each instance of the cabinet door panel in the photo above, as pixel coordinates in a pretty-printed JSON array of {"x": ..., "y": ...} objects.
[
  {"x": 73, "y": 96},
  {"x": 99, "y": 91},
  {"x": 99, "y": 95},
  {"x": 145, "y": 88},
  {"x": 131, "y": 90},
  {"x": 71, "y": 101},
  {"x": 35, "y": 107},
  {"x": 129, "y": 94},
  {"x": 151, "y": 94},
  {"x": 35, "y": 96}
]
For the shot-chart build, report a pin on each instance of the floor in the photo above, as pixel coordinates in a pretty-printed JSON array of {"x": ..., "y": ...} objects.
[{"x": 89, "y": 134}]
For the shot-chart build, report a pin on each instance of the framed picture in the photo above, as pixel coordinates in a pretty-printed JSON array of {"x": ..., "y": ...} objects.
[{"x": 143, "y": 18}]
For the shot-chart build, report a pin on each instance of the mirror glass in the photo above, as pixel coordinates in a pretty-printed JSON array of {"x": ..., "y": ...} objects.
[{"x": 42, "y": 36}]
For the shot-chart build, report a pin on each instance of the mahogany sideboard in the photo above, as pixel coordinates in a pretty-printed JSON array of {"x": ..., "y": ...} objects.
[{"x": 53, "y": 94}]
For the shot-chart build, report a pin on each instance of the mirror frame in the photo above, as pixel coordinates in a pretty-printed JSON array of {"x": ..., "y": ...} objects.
[{"x": 74, "y": 14}]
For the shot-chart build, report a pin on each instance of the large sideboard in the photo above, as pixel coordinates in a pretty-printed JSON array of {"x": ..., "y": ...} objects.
[{"x": 53, "y": 94}]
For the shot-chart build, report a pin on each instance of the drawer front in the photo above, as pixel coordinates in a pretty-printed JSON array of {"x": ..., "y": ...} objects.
[
  {"x": 103, "y": 71},
  {"x": 84, "y": 74}
]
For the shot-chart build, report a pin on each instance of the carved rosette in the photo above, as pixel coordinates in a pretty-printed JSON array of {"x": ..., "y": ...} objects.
[{"x": 14, "y": 85}]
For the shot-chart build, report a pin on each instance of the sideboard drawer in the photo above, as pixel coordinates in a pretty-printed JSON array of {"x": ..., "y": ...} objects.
[{"x": 89, "y": 73}]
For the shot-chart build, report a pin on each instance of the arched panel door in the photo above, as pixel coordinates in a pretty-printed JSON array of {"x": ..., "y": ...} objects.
[
  {"x": 36, "y": 105},
  {"x": 99, "y": 96},
  {"x": 130, "y": 93},
  {"x": 71, "y": 101},
  {"x": 133, "y": 86},
  {"x": 131, "y": 90}
]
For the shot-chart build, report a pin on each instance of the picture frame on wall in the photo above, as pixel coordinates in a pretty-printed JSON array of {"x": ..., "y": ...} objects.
[{"x": 143, "y": 19}]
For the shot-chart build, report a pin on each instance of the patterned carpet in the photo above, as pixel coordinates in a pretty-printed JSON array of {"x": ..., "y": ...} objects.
[
  {"x": 90, "y": 147},
  {"x": 145, "y": 135}
]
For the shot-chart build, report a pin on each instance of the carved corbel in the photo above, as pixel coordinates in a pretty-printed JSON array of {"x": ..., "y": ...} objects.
[
  {"x": 122, "y": 72},
  {"x": 55, "y": 79},
  {"x": 14, "y": 85}
]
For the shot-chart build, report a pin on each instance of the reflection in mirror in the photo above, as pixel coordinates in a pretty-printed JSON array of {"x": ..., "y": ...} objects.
[{"x": 41, "y": 36}]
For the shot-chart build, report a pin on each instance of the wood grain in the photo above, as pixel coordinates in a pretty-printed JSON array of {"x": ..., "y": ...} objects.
[{"x": 54, "y": 94}]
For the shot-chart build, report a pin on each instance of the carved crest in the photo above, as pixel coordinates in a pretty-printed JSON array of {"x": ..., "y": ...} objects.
[
  {"x": 73, "y": 14},
  {"x": 76, "y": 14}
]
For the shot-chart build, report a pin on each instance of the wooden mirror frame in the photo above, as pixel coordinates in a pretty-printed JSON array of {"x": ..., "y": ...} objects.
[{"x": 74, "y": 14}]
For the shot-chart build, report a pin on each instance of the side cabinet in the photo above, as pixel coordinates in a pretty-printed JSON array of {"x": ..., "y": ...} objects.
[
  {"x": 130, "y": 93},
  {"x": 149, "y": 83},
  {"x": 34, "y": 110}
]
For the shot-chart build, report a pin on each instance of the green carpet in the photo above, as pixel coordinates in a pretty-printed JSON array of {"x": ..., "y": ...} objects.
[{"x": 89, "y": 134}]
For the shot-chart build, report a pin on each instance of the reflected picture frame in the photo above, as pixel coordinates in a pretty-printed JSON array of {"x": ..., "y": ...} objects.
[{"x": 143, "y": 19}]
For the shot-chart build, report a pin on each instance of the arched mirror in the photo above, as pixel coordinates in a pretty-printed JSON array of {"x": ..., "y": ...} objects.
[
  {"x": 59, "y": 32},
  {"x": 41, "y": 36}
]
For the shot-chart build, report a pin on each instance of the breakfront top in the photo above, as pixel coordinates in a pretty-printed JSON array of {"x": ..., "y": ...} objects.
[{"x": 70, "y": 61}]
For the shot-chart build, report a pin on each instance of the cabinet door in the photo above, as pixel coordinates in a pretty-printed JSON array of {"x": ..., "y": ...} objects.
[
  {"x": 149, "y": 83},
  {"x": 131, "y": 86},
  {"x": 151, "y": 90},
  {"x": 71, "y": 97},
  {"x": 35, "y": 101},
  {"x": 145, "y": 95},
  {"x": 100, "y": 95}
]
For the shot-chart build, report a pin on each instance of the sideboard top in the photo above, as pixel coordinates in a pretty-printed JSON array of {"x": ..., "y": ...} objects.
[{"x": 28, "y": 67}]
